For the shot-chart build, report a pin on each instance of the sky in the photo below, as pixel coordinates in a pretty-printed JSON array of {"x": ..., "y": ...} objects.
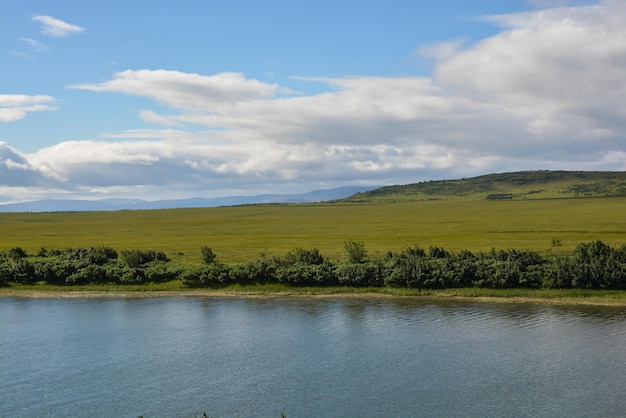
[{"x": 166, "y": 99}]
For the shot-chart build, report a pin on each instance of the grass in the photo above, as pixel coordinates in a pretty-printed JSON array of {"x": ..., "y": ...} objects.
[
  {"x": 239, "y": 234},
  {"x": 554, "y": 296},
  {"x": 172, "y": 286}
]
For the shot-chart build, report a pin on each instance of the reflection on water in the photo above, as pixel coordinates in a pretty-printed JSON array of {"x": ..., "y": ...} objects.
[{"x": 309, "y": 357}]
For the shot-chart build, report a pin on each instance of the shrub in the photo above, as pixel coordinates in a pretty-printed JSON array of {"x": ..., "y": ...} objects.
[
  {"x": 214, "y": 275},
  {"x": 6, "y": 275},
  {"x": 161, "y": 271},
  {"x": 410, "y": 269},
  {"x": 93, "y": 273},
  {"x": 137, "y": 258},
  {"x": 355, "y": 251},
  {"x": 207, "y": 255},
  {"x": 88, "y": 256},
  {"x": 17, "y": 253},
  {"x": 302, "y": 256},
  {"x": 44, "y": 272},
  {"x": 307, "y": 274},
  {"x": 598, "y": 266},
  {"x": 360, "y": 274},
  {"x": 261, "y": 270},
  {"x": 465, "y": 270},
  {"x": 435, "y": 252},
  {"x": 132, "y": 275},
  {"x": 191, "y": 276},
  {"x": 23, "y": 271}
]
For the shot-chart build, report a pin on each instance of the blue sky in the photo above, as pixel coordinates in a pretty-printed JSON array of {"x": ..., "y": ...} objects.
[{"x": 160, "y": 99}]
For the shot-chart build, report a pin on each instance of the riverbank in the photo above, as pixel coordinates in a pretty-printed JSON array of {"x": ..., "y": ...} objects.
[{"x": 550, "y": 296}]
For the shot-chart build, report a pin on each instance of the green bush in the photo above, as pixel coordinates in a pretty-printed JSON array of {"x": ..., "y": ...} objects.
[
  {"x": 308, "y": 274},
  {"x": 410, "y": 269},
  {"x": 192, "y": 276},
  {"x": 214, "y": 275},
  {"x": 355, "y": 252},
  {"x": 162, "y": 271},
  {"x": 137, "y": 258},
  {"x": 261, "y": 270},
  {"x": 93, "y": 273},
  {"x": 6, "y": 276},
  {"x": 88, "y": 256},
  {"x": 302, "y": 256},
  {"x": 593, "y": 265},
  {"x": 22, "y": 271},
  {"x": 360, "y": 274},
  {"x": 207, "y": 255},
  {"x": 132, "y": 275},
  {"x": 17, "y": 253}
]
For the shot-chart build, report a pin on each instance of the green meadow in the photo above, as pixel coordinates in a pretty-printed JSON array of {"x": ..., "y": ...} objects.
[{"x": 242, "y": 233}]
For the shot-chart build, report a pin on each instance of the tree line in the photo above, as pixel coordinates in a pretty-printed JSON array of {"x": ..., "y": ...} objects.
[{"x": 593, "y": 265}]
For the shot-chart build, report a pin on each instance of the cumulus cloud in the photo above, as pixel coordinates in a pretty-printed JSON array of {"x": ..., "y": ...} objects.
[
  {"x": 162, "y": 164},
  {"x": 17, "y": 171},
  {"x": 16, "y": 106},
  {"x": 560, "y": 71},
  {"x": 546, "y": 92},
  {"x": 55, "y": 27}
]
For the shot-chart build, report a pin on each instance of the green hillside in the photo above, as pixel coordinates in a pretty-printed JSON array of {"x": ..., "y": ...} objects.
[{"x": 504, "y": 186}]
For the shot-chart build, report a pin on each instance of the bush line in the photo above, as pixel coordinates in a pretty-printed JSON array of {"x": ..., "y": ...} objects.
[{"x": 593, "y": 265}]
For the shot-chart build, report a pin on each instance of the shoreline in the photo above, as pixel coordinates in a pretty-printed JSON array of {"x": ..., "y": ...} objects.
[{"x": 212, "y": 293}]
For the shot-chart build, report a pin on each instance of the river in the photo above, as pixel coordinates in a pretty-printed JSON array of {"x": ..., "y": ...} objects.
[{"x": 309, "y": 357}]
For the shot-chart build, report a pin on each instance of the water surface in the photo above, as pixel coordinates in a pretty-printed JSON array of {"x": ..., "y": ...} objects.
[{"x": 246, "y": 357}]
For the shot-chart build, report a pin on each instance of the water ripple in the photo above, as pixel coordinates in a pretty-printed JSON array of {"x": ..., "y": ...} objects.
[{"x": 309, "y": 357}]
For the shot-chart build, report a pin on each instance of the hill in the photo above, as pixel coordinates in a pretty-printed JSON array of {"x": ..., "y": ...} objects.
[{"x": 504, "y": 186}]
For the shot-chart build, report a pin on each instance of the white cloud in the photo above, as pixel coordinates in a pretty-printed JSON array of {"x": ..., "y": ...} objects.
[
  {"x": 35, "y": 44},
  {"x": 17, "y": 171},
  {"x": 441, "y": 50},
  {"x": 11, "y": 100},
  {"x": 561, "y": 70},
  {"x": 55, "y": 27},
  {"x": 16, "y": 106},
  {"x": 546, "y": 92},
  {"x": 185, "y": 91},
  {"x": 542, "y": 4},
  {"x": 152, "y": 117}
]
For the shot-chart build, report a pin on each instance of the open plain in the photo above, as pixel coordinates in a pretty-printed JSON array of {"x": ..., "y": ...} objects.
[{"x": 241, "y": 233}]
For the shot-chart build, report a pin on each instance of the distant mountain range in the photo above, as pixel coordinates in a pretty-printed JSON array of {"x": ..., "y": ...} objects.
[
  {"x": 541, "y": 184},
  {"x": 68, "y": 205}
]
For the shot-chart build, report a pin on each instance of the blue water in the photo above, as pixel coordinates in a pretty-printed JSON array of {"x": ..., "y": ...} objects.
[{"x": 246, "y": 357}]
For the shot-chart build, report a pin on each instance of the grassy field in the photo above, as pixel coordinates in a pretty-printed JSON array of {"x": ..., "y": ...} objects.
[{"x": 239, "y": 234}]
